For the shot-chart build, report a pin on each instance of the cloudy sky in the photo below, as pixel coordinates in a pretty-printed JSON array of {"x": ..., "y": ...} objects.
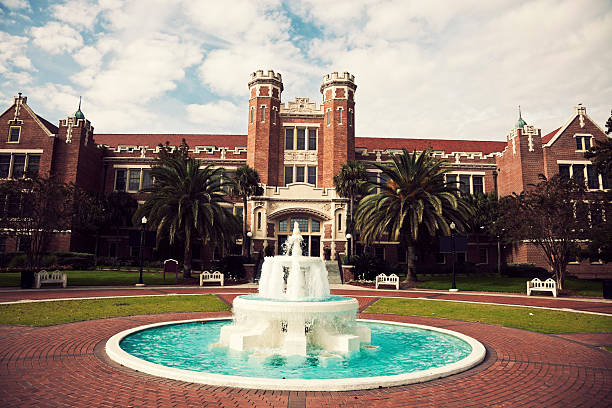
[{"x": 424, "y": 69}]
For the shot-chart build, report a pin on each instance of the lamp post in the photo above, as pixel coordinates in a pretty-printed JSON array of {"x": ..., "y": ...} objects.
[
  {"x": 249, "y": 235},
  {"x": 453, "y": 285},
  {"x": 143, "y": 222},
  {"x": 348, "y": 243}
]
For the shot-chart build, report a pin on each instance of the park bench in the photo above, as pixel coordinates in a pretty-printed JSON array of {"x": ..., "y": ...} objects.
[
  {"x": 383, "y": 279},
  {"x": 549, "y": 285},
  {"x": 50, "y": 277},
  {"x": 215, "y": 276}
]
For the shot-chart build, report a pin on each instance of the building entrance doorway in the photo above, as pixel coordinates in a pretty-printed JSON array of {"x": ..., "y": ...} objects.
[{"x": 310, "y": 228}]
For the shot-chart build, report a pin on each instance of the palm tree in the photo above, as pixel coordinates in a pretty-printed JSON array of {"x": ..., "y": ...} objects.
[
  {"x": 351, "y": 182},
  {"x": 186, "y": 202},
  {"x": 244, "y": 185},
  {"x": 414, "y": 195}
]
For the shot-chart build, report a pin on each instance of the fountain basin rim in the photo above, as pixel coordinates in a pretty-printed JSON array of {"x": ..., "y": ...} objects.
[
  {"x": 118, "y": 355},
  {"x": 306, "y": 305}
]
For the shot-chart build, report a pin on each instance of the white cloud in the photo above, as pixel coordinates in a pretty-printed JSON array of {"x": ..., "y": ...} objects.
[
  {"x": 81, "y": 13},
  {"x": 15, "y": 4},
  {"x": 20, "y": 78},
  {"x": 12, "y": 53},
  {"x": 220, "y": 115},
  {"x": 56, "y": 38},
  {"x": 88, "y": 56}
]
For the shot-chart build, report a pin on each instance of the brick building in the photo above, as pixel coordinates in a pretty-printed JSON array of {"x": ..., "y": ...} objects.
[{"x": 297, "y": 147}]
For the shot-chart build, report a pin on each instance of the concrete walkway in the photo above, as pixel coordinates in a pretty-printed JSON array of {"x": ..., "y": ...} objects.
[{"x": 65, "y": 365}]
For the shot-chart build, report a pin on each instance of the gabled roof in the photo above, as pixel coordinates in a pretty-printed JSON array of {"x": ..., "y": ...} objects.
[
  {"x": 49, "y": 128},
  {"x": 546, "y": 138},
  {"x": 175, "y": 139},
  {"x": 550, "y": 138},
  {"x": 448, "y": 146}
]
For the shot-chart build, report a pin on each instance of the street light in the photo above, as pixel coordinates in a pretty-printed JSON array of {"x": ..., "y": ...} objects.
[
  {"x": 249, "y": 234},
  {"x": 143, "y": 222},
  {"x": 454, "y": 285},
  {"x": 348, "y": 242}
]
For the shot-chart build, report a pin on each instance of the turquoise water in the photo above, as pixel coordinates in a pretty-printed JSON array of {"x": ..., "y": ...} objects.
[{"x": 399, "y": 350}]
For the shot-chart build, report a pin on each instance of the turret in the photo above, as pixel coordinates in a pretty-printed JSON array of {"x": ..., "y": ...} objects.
[
  {"x": 263, "y": 140},
  {"x": 338, "y": 124}
]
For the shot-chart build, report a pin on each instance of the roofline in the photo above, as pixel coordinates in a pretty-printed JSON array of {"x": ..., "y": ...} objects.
[{"x": 564, "y": 127}]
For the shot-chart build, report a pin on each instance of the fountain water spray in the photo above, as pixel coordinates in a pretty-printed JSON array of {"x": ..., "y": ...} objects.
[{"x": 293, "y": 315}]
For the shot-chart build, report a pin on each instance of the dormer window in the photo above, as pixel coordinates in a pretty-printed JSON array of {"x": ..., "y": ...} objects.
[
  {"x": 583, "y": 142},
  {"x": 14, "y": 134}
]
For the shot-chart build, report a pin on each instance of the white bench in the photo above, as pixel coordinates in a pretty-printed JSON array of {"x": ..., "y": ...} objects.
[
  {"x": 215, "y": 276},
  {"x": 383, "y": 279},
  {"x": 549, "y": 285},
  {"x": 50, "y": 277}
]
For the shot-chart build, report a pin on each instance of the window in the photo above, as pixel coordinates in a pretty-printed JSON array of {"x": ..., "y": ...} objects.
[
  {"x": 328, "y": 117},
  {"x": 134, "y": 180},
  {"x": 301, "y": 139},
  {"x": 312, "y": 175},
  {"x": 33, "y": 165},
  {"x": 238, "y": 211},
  {"x": 19, "y": 165},
  {"x": 379, "y": 251},
  {"x": 316, "y": 226},
  {"x": 120, "y": 179},
  {"x": 583, "y": 142},
  {"x": 5, "y": 165},
  {"x": 252, "y": 114},
  {"x": 147, "y": 181},
  {"x": 24, "y": 243},
  {"x": 483, "y": 255},
  {"x": 464, "y": 184},
  {"x": 302, "y": 223},
  {"x": 14, "y": 133},
  {"x": 340, "y": 115},
  {"x": 312, "y": 139},
  {"x": 339, "y": 222},
  {"x": 274, "y": 115},
  {"x": 451, "y": 179},
  {"x": 282, "y": 225},
  {"x": 288, "y": 139},
  {"x": 259, "y": 220},
  {"x": 477, "y": 185},
  {"x": 348, "y": 118},
  {"x": 299, "y": 174},
  {"x": 263, "y": 113},
  {"x": 288, "y": 175},
  {"x": 578, "y": 171}
]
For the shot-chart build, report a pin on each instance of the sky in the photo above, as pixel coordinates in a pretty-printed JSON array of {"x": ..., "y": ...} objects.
[{"x": 423, "y": 68}]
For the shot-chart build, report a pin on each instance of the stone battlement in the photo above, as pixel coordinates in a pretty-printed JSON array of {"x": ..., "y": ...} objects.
[
  {"x": 335, "y": 76},
  {"x": 259, "y": 74}
]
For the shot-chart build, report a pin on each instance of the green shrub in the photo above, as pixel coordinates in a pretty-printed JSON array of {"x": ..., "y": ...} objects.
[
  {"x": 524, "y": 270},
  {"x": 49, "y": 260},
  {"x": 367, "y": 266},
  {"x": 232, "y": 266},
  {"x": 18, "y": 261}
]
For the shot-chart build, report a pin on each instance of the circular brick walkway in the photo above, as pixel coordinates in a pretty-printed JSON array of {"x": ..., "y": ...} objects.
[{"x": 65, "y": 365}]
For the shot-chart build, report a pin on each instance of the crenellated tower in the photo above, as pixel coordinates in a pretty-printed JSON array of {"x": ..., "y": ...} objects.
[
  {"x": 264, "y": 136},
  {"x": 338, "y": 125}
]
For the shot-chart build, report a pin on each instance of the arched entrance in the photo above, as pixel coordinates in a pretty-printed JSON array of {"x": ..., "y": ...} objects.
[{"x": 310, "y": 228}]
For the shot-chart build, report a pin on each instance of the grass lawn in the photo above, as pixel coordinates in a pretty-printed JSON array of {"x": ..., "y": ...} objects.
[
  {"x": 538, "y": 320},
  {"x": 100, "y": 278},
  {"x": 66, "y": 311},
  {"x": 504, "y": 284}
]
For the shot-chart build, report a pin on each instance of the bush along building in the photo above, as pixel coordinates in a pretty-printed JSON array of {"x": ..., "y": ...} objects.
[{"x": 297, "y": 147}]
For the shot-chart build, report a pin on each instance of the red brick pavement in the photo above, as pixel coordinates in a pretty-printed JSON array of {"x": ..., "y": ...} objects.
[{"x": 65, "y": 365}]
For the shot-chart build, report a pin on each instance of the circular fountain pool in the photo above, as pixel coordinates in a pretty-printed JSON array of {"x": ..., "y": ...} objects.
[{"x": 398, "y": 354}]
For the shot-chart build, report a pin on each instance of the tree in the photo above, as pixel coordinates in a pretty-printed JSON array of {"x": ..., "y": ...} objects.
[
  {"x": 91, "y": 215},
  {"x": 602, "y": 152},
  {"x": 34, "y": 209},
  {"x": 551, "y": 215},
  {"x": 186, "y": 202},
  {"x": 599, "y": 247},
  {"x": 245, "y": 184},
  {"x": 414, "y": 199},
  {"x": 351, "y": 182}
]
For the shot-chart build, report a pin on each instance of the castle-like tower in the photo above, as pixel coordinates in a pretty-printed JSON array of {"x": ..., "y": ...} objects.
[
  {"x": 263, "y": 140},
  {"x": 338, "y": 125}
]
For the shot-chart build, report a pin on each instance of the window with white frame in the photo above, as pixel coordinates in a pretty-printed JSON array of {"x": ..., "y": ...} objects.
[
  {"x": 328, "y": 117},
  {"x": 14, "y": 134},
  {"x": 466, "y": 183},
  {"x": 301, "y": 174},
  {"x": 18, "y": 165},
  {"x": 340, "y": 115},
  {"x": 263, "y": 113},
  {"x": 300, "y": 138},
  {"x": 583, "y": 142},
  {"x": 584, "y": 173},
  {"x": 132, "y": 179}
]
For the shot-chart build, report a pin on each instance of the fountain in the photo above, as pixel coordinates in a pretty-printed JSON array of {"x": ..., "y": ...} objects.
[
  {"x": 294, "y": 310},
  {"x": 294, "y": 335}
]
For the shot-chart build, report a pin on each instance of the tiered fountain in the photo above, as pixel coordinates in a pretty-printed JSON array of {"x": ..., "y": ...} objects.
[
  {"x": 294, "y": 314},
  {"x": 293, "y": 335}
]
